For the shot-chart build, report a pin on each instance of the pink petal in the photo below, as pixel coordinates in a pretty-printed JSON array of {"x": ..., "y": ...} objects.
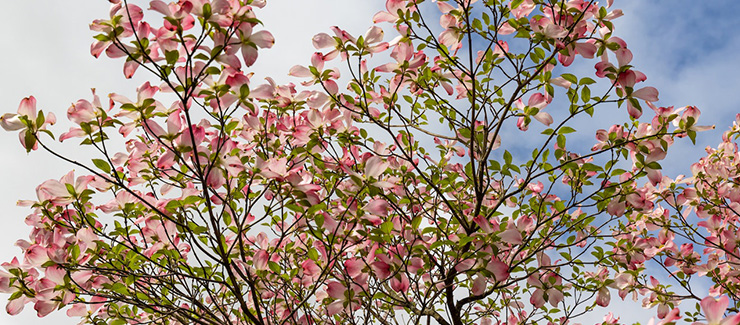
[
  {"x": 714, "y": 309},
  {"x": 649, "y": 94},
  {"x": 537, "y": 100},
  {"x": 336, "y": 290},
  {"x": 586, "y": 50},
  {"x": 354, "y": 267},
  {"x": 263, "y": 92},
  {"x": 249, "y": 53},
  {"x": 317, "y": 61},
  {"x": 263, "y": 39},
  {"x": 11, "y": 122},
  {"x": 374, "y": 166},
  {"x": 27, "y": 107},
  {"x": 627, "y": 78},
  {"x": 114, "y": 52},
  {"x": 146, "y": 91},
  {"x": 44, "y": 308},
  {"x": 465, "y": 265},
  {"x": 260, "y": 260},
  {"x": 479, "y": 285},
  {"x": 81, "y": 277},
  {"x": 55, "y": 274},
  {"x": 384, "y": 16},
  {"x": 119, "y": 98},
  {"x": 335, "y": 307},
  {"x": 310, "y": 268},
  {"x": 323, "y": 40},
  {"x": 14, "y": 307},
  {"x": 566, "y": 60},
  {"x": 400, "y": 285},
  {"x": 52, "y": 189},
  {"x": 506, "y": 29},
  {"x": 603, "y": 297},
  {"x": 601, "y": 67},
  {"x": 160, "y": 7},
  {"x": 624, "y": 56},
  {"x": 300, "y": 72},
  {"x": 633, "y": 111},
  {"x": 560, "y": 81},
  {"x": 373, "y": 35},
  {"x": 615, "y": 208},
  {"x": 538, "y": 298},
  {"x": 394, "y": 6},
  {"x": 82, "y": 111},
  {"x": 445, "y": 7},
  {"x": 554, "y": 31},
  {"x": 614, "y": 14},
  {"x": 167, "y": 160},
  {"x": 77, "y": 310},
  {"x": 388, "y": 67},
  {"x": 499, "y": 269},
  {"x": 129, "y": 68},
  {"x": 511, "y": 236},
  {"x": 448, "y": 38},
  {"x": 153, "y": 128},
  {"x": 331, "y": 87},
  {"x": 555, "y": 297},
  {"x": 378, "y": 207},
  {"x": 544, "y": 118},
  {"x": 98, "y": 47}
]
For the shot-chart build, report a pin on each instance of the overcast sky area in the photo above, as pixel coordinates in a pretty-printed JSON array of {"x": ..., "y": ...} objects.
[{"x": 688, "y": 49}]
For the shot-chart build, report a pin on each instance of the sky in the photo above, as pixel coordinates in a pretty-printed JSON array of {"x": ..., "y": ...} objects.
[{"x": 688, "y": 49}]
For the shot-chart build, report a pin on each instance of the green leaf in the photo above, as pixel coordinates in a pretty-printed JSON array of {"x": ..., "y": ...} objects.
[
  {"x": 566, "y": 130},
  {"x": 40, "y": 119},
  {"x": 561, "y": 141},
  {"x": 102, "y": 165},
  {"x": 570, "y": 77},
  {"x": 274, "y": 267},
  {"x": 386, "y": 227},
  {"x": 692, "y": 136},
  {"x": 171, "y": 56},
  {"x": 586, "y": 81},
  {"x": 416, "y": 222},
  {"x": 207, "y": 11},
  {"x": 120, "y": 289},
  {"x": 313, "y": 254},
  {"x": 585, "y": 94},
  {"x": 30, "y": 140},
  {"x": 294, "y": 207}
]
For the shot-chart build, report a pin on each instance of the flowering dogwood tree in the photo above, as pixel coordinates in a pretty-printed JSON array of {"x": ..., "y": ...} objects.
[
  {"x": 692, "y": 232},
  {"x": 443, "y": 182}
]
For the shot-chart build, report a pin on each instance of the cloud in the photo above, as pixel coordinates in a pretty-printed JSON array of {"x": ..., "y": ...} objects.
[{"x": 688, "y": 49}]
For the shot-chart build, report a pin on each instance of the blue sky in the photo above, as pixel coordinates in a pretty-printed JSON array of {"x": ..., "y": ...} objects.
[{"x": 688, "y": 50}]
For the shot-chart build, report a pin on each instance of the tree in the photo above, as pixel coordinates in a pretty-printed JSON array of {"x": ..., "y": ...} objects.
[
  {"x": 403, "y": 198},
  {"x": 692, "y": 231}
]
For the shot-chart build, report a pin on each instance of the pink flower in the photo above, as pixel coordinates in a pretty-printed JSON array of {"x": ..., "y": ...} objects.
[
  {"x": 26, "y": 121},
  {"x": 251, "y": 41},
  {"x": 392, "y": 14},
  {"x": 714, "y": 310}
]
